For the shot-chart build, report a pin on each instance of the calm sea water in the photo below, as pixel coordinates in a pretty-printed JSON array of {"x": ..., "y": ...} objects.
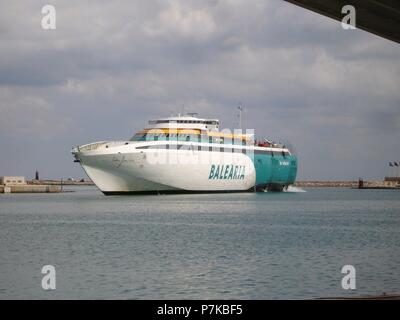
[{"x": 220, "y": 246}]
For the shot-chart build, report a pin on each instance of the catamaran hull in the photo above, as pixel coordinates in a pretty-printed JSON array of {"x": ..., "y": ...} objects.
[{"x": 144, "y": 172}]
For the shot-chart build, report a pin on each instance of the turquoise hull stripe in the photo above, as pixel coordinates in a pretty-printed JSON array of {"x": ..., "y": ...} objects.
[{"x": 275, "y": 169}]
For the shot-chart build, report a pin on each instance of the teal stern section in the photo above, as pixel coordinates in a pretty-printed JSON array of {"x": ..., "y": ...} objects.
[
  {"x": 274, "y": 170},
  {"x": 262, "y": 164}
]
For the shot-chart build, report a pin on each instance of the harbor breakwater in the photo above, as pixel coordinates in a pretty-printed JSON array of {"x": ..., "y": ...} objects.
[
  {"x": 367, "y": 184},
  {"x": 42, "y": 186},
  {"x": 55, "y": 186},
  {"x": 302, "y": 184},
  {"x": 27, "y": 188},
  {"x": 61, "y": 182}
]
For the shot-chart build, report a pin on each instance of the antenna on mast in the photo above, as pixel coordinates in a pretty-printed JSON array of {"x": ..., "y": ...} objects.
[
  {"x": 240, "y": 107},
  {"x": 184, "y": 108}
]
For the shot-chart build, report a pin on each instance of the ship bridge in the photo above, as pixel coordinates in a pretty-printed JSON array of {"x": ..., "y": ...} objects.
[{"x": 185, "y": 122}]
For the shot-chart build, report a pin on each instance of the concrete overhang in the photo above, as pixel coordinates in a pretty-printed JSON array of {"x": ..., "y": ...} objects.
[{"x": 381, "y": 17}]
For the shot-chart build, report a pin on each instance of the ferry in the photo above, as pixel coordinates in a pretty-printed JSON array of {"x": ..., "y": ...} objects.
[{"x": 187, "y": 154}]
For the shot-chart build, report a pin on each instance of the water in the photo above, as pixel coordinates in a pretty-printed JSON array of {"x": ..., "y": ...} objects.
[{"x": 220, "y": 246}]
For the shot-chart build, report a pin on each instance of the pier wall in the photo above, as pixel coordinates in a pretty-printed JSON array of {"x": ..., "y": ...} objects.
[
  {"x": 347, "y": 184},
  {"x": 30, "y": 189},
  {"x": 59, "y": 182}
]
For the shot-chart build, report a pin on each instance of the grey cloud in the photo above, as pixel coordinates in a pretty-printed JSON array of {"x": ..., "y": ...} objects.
[{"x": 110, "y": 66}]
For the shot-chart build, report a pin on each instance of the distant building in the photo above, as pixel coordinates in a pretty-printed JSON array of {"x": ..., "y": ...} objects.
[
  {"x": 12, "y": 180},
  {"x": 394, "y": 172}
]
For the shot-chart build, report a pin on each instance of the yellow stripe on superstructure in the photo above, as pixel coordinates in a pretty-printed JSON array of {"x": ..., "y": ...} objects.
[
  {"x": 196, "y": 132},
  {"x": 172, "y": 131},
  {"x": 228, "y": 135}
]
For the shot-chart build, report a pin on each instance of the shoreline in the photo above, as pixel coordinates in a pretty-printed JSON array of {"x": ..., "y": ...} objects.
[
  {"x": 325, "y": 184},
  {"x": 367, "y": 184},
  {"x": 50, "y": 182}
]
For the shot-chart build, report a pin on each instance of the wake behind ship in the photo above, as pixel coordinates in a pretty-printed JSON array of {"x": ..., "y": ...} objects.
[{"x": 187, "y": 154}]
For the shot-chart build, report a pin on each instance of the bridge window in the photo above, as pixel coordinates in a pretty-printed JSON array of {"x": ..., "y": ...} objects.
[{"x": 159, "y": 121}]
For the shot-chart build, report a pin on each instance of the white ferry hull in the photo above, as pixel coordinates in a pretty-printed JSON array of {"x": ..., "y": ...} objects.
[{"x": 168, "y": 171}]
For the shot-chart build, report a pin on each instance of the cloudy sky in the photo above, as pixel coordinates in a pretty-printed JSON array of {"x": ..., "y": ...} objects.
[{"x": 110, "y": 66}]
